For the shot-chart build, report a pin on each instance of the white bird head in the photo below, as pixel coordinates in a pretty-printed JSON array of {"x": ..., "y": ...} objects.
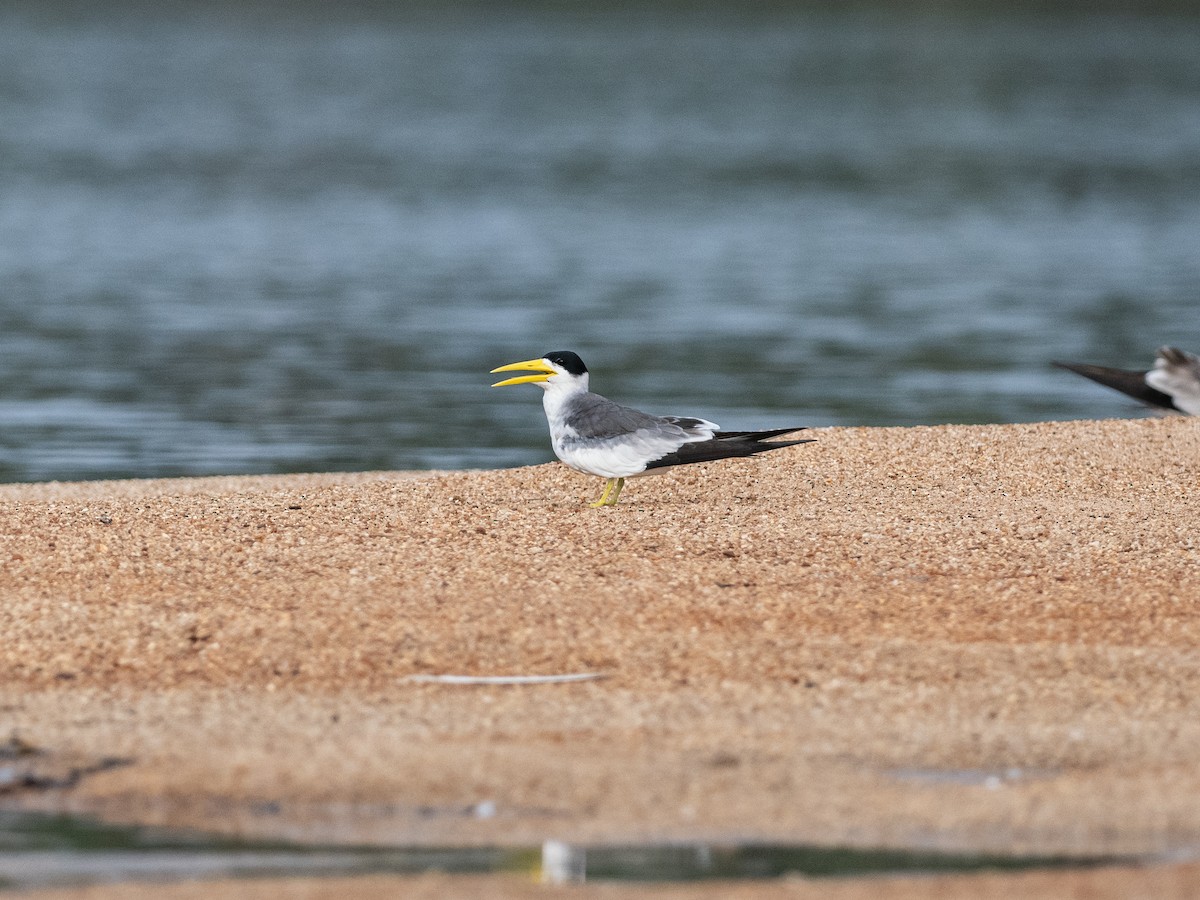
[{"x": 557, "y": 369}]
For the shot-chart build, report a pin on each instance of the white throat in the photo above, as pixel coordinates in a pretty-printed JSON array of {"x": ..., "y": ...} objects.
[{"x": 557, "y": 393}]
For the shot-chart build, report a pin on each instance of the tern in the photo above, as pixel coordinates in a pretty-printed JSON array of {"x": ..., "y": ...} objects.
[
  {"x": 593, "y": 435},
  {"x": 1173, "y": 384}
]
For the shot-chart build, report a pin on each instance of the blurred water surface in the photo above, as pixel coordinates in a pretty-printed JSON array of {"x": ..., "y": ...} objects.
[{"x": 266, "y": 237}]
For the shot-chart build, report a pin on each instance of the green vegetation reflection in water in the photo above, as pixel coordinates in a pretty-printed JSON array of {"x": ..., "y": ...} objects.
[{"x": 38, "y": 849}]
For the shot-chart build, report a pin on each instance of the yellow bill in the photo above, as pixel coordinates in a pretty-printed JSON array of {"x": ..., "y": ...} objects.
[{"x": 539, "y": 366}]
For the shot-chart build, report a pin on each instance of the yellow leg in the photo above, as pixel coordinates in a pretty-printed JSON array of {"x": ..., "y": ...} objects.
[
  {"x": 603, "y": 501},
  {"x": 609, "y": 496},
  {"x": 612, "y": 498}
]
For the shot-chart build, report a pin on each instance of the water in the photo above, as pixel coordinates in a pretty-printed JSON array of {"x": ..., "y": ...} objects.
[
  {"x": 39, "y": 850},
  {"x": 266, "y": 237}
]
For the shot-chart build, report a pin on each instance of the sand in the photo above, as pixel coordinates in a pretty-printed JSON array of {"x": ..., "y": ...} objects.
[{"x": 973, "y": 638}]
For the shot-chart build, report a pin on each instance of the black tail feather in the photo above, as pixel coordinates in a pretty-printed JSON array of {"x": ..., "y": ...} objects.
[
  {"x": 1128, "y": 381},
  {"x": 727, "y": 445},
  {"x": 755, "y": 435}
]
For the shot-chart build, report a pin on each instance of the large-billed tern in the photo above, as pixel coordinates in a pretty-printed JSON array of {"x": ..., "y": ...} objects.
[
  {"x": 1173, "y": 384},
  {"x": 593, "y": 435}
]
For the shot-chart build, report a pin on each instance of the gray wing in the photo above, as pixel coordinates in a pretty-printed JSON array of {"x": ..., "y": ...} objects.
[{"x": 596, "y": 418}]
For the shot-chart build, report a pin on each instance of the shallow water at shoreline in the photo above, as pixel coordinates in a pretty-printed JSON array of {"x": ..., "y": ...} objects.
[{"x": 44, "y": 850}]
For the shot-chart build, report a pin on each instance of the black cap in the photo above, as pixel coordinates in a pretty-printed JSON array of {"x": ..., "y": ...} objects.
[{"x": 568, "y": 360}]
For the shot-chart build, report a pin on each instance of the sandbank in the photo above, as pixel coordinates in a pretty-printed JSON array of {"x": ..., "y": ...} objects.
[{"x": 965, "y": 638}]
